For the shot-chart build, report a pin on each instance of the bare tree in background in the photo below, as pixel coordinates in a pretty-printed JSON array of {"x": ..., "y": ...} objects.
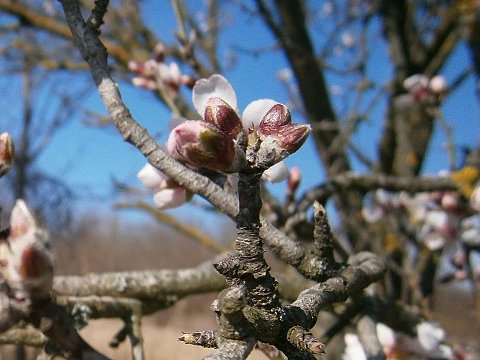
[{"x": 395, "y": 223}]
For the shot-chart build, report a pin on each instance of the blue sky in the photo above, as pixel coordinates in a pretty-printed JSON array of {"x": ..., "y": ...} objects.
[{"x": 88, "y": 158}]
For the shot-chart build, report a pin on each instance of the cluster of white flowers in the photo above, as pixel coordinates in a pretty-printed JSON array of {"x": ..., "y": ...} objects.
[
  {"x": 428, "y": 344},
  {"x": 435, "y": 219}
]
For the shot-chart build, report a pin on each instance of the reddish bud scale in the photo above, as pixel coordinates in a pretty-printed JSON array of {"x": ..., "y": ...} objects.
[
  {"x": 223, "y": 116},
  {"x": 202, "y": 145},
  {"x": 276, "y": 117},
  {"x": 34, "y": 263},
  {"x": 291, "y": 137}
]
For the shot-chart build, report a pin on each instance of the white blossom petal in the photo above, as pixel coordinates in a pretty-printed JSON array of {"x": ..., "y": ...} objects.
[
  {"x": 475, "y": 199},
  {"x": 170, "y": 198},
  {"x": 385, "y": 335},
  {"x": 215, "y": 86},
  {"x": 415, "y": 81},
  {"x": 276, "y": 173},
  {"x": 353, "y": 348},
  {"x": 372, "y": 213},
  {"x": 255, "y": 111},
  {"x": 429, "y": 335},
  {"x": 175, "y": 72},
  {"x": 438, "y": 84},
  {"x": 152, "y": 178}
]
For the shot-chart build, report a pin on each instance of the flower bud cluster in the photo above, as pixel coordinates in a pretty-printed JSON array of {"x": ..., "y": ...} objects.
[
  {"x": 224, "y": 141},
  {"x": 427, "y": 344},
  {"x": 154, "y": 74},
  {"x": 435, "y": 219},
  {"x": 424, "y": 90}
]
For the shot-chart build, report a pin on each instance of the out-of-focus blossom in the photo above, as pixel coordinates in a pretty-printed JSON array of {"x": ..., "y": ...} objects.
[
  {"x": 166, "y": 192},
  {"x": 438, "y": 228},
  {"x": 294, "y": 179},
  {"x": 285, "y": 75},
  {"x": 144, "y": 83},
  {"x": 348, "y": 39},
  {"x": 277, "y": 173},
  {"x": 327, "y": 9},
  {"x": 415, "y": 82},
  {"x": 7, "y": 153},
  {"x": 30, "y": 262},
  {"x": 475, "y": 199},
  {"x": 428, "y": 344},
  {"x": 425, "y": 90},
  {"x": 336, "y": 90},
  {"x": 470, "y": 230},
  {"x": 451, "y": 201},
  {"x": 438, "y": 85},
  {"x": 155, "y": 74},
  {"x": 430, "y": 336},
  {"x": 353, "y": 348}
]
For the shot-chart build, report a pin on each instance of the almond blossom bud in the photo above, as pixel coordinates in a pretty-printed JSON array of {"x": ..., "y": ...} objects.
[
  {"x": 294, "y": 179},
  {"x": 202, "y": 145},
  {"x": 145, "y": 83},
  {"x": 166, "y": 192},
  {"x": 277, "y": 116},
  {"x": 277, "y": 124},
  {"x": 188, "y": 80},
  {"x": 30, "y": 263},
  {"x": 223, "y": 116},
  {"x": 7, "y": 153},
  {"x": 291, "y": 137},
  {"x": 415, "y": 81},
  {"x": 438, "y": 85},
  {"x": 276, "y": 173},
  {"x": 135, "y": 66}
]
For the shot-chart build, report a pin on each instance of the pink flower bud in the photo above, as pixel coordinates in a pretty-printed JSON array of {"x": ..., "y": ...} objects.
[
  {"x": 202, "y": 145},
  {"x": 30, "y": 263},
  {"x": 21, "y": 221},
  {"x": 7, "y": 153},
  {"x": 223, "y": 116},
  {"x": 276, "y": 117},
  {"x": 294, "y": 179},
  {"x": 166, "y": 192},
  {"x": 172, "y": 197},
  {"x": 451, "y": 201},
  {"x": 188, "y": 80},
  {"x": 145, "y": 83},
  {"x": 154, "y": 179},
  {"x": 292, "y": 136},
  {"x": 135, "y": 66}
]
